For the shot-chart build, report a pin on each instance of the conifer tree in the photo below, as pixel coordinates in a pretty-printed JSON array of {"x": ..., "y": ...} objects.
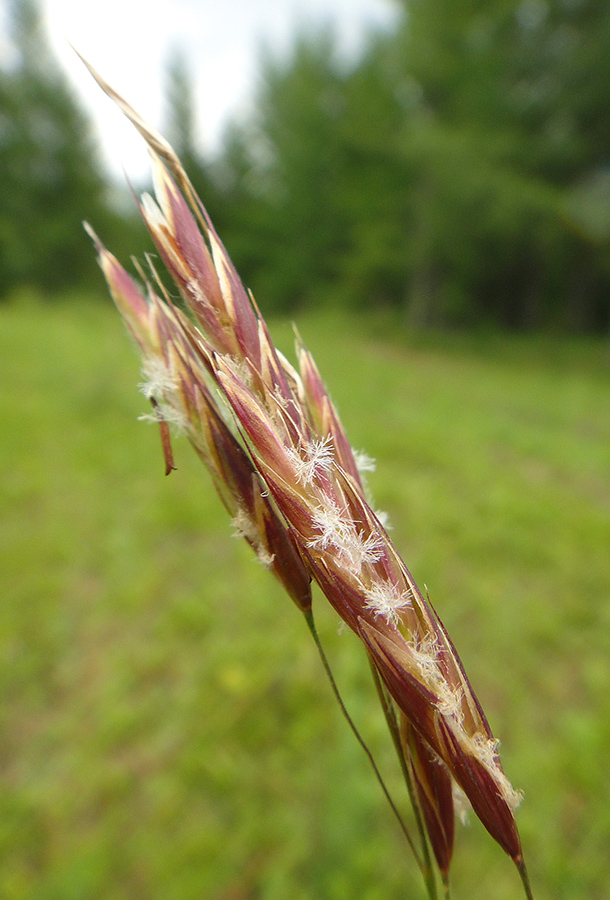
[{"x": 50, "y": 179}]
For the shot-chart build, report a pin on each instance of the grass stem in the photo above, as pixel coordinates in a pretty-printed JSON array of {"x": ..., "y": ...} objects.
[
  {"x": 426, "y": 866},
  {"x": 314, "y": 633},
  {"x": 525, "y": 879}
]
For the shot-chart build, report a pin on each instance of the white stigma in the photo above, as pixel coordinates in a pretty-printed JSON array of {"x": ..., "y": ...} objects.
[
  {"x": 160, "y": 382},
  {"x": 312, "y": 458},
  {"x": 162, "y": 388},
  {"x": 246, "y": 528},
  {"x": 486, "y": 751},
  {"x": 387, "y": 601},
  {"x": 339, "y": 534},
  {"x": 364, "y": 462}
]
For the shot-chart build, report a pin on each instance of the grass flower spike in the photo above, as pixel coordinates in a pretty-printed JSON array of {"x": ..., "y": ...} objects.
[{"x": 284, "y": 469}]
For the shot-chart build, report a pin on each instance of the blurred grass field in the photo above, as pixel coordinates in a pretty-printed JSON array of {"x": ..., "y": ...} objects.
[{"x": 166, "y": 730}]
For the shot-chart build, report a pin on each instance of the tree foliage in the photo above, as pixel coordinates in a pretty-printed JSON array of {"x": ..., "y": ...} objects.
[
  {"x": 50, "y": 179},
  {"x": 181, "y": 128},
  {"x": 508, "y": 119},
  {"x": 458, "y": 170}
]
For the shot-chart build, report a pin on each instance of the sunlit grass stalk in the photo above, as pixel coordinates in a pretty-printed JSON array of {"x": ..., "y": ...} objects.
[{"x": 285, "y": 471}]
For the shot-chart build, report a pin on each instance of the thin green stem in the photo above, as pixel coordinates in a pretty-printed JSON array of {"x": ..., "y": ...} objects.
[
  {"x": 426, "y": 867},
  {"x": 314, "y": 633},
  {"x": 525, "y": 878},
  {"x": 446, "y": 888}
]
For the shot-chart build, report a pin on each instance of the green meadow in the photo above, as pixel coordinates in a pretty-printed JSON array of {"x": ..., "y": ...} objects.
[{"x": 167, "y": 732}]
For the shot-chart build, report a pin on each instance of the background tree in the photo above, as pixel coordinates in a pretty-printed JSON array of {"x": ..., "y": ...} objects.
[
  {"x": 316, "y": 176},
  {"x": 457, "y": 170},
  {"x": 181, "y": 130},
  {"x": 294, "y": 146},
  {"x": 50, "y": 178},
  {"x": 511, "y": 116}
]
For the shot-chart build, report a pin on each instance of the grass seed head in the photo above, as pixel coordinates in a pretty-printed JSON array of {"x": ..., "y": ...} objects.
[{"x": 289, "y": 478}]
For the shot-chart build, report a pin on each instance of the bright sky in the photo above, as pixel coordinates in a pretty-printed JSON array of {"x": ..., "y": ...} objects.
[{"x": 129, "y": 41}]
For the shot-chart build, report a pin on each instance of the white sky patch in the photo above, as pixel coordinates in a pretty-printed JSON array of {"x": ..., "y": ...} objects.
[{"x": 130, "y": 43}]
